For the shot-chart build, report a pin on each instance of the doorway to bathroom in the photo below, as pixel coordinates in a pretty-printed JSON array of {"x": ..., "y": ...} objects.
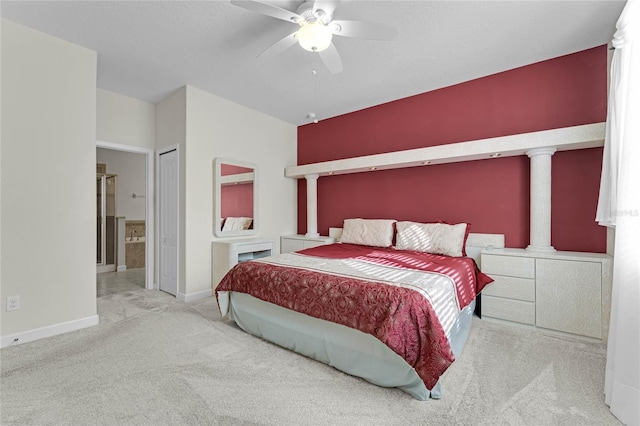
[{"x": 125, "y": 258}]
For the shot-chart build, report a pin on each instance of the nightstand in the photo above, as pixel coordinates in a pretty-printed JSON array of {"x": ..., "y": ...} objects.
[{"x": 512, "y": 295}]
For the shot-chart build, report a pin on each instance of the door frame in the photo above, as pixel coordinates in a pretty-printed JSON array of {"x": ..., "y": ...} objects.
[
  {"x": 159, "y": 152},
  {"x": 149, "y": 249}
]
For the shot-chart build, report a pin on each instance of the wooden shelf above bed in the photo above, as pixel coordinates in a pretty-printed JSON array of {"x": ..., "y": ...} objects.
[{"x": 563, "y": 139}]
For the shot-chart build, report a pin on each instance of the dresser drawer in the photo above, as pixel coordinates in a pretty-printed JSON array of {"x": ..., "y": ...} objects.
[
  {"x": 509, "y": 309},
  {"x": 512, "y": 288},
  {"x": 251, "y": 247},
  {"x": 512, "y": 266}
]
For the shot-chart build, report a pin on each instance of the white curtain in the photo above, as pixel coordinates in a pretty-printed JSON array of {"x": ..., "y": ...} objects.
[{"x": 619, "y": 207}]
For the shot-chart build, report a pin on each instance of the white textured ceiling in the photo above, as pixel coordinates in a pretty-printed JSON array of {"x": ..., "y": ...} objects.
[{"x": 148, "y": 49}]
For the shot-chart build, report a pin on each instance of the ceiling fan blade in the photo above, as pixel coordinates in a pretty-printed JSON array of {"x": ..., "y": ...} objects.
[
  {"x": 331, "y": 59},
  {"x": 279, "y": 46},
  {"x": 367, "y": 30},
  {"x": 269, "y": 10}
]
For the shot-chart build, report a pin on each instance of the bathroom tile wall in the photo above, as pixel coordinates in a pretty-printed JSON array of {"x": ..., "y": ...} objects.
[{"x": 135, "y": 243}]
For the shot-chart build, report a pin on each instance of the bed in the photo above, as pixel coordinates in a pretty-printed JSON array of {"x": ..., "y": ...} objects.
[{"x": 371, "y": 305}]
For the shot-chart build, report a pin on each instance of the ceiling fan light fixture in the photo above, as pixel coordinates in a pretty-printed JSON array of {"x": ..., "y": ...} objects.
[{"x": 314, "y": 37}]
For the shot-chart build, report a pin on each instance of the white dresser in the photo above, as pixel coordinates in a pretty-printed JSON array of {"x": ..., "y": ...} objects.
[
  {"x": 290, "y": 243},
  {"x": 225, "y": 254},
  {"x": 568, "y": 292}
]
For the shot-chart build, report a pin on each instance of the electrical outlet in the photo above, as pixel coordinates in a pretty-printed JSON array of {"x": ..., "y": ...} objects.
[{"x": 13, "y": 303}]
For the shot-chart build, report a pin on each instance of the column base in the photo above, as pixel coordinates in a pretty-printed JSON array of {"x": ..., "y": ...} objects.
[
  {"x": 312, "y": 235},
  {"x": 541, "y": 249}
]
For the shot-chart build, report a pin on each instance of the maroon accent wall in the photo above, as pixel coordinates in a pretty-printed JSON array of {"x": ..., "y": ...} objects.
[
  {"x": 575, "y": 184},
  {"x": 492, "y": 195}
]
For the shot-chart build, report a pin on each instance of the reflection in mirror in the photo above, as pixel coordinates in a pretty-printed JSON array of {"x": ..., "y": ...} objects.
[{"x": 235, "y": 198}]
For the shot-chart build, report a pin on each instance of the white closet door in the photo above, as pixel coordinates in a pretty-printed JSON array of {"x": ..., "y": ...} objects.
[{"x": 168, "y": 203}]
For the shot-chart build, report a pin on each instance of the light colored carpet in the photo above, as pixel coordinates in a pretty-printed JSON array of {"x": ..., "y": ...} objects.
[{"x": 153, "y": 360}]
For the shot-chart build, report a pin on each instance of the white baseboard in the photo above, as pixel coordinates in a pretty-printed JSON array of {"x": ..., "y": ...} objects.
[
  {"x": 190, "y": 297},
  {"x": 48, "y": 331}
]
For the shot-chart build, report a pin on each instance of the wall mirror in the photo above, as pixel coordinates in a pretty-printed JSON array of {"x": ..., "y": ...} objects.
[{"x": 235, "y": 195}]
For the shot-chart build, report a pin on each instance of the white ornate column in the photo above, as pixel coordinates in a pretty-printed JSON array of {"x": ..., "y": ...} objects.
[
  {"x": 540, "y": 193},
  {"x": 312, "y": 205}
]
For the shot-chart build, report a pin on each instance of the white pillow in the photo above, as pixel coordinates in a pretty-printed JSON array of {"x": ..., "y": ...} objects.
[
  {"x": 368, "y": 232},
  {"x": 435, "y": 238},
  {"x": 237, "y": 223}
]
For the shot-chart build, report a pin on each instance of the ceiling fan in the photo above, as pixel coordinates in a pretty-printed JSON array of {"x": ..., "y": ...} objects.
[{"x": 317, "y": 28}]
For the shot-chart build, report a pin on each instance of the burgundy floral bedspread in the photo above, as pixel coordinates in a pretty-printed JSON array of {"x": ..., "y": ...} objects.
[{"x": 383, "y": 292}]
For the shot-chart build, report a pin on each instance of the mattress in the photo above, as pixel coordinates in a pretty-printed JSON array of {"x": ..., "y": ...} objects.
[
  {"x": 346, "y": 349},
  {"x": 394, "y": 318}
]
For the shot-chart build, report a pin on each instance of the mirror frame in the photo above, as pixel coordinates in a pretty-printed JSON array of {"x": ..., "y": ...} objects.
[{"x": 217, "y": 192}]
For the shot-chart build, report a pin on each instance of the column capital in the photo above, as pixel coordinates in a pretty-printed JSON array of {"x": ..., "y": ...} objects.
[
  {"x": 312, "y": 176},
  {"x": 541, "y": 151}
]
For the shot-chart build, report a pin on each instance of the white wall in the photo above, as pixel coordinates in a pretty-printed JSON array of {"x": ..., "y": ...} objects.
[
  {"x": 204, "y": 127},
  {"x": 124, "y": 120},
  {"x": 217, "y": 127},
  {"x": 131, "y": 170},
  {"x": 52, "y": 116},
  {"x": 125, "y": 124},
  {"x": 47, "y": 183},
  {"x": 171, "y": 129}
]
